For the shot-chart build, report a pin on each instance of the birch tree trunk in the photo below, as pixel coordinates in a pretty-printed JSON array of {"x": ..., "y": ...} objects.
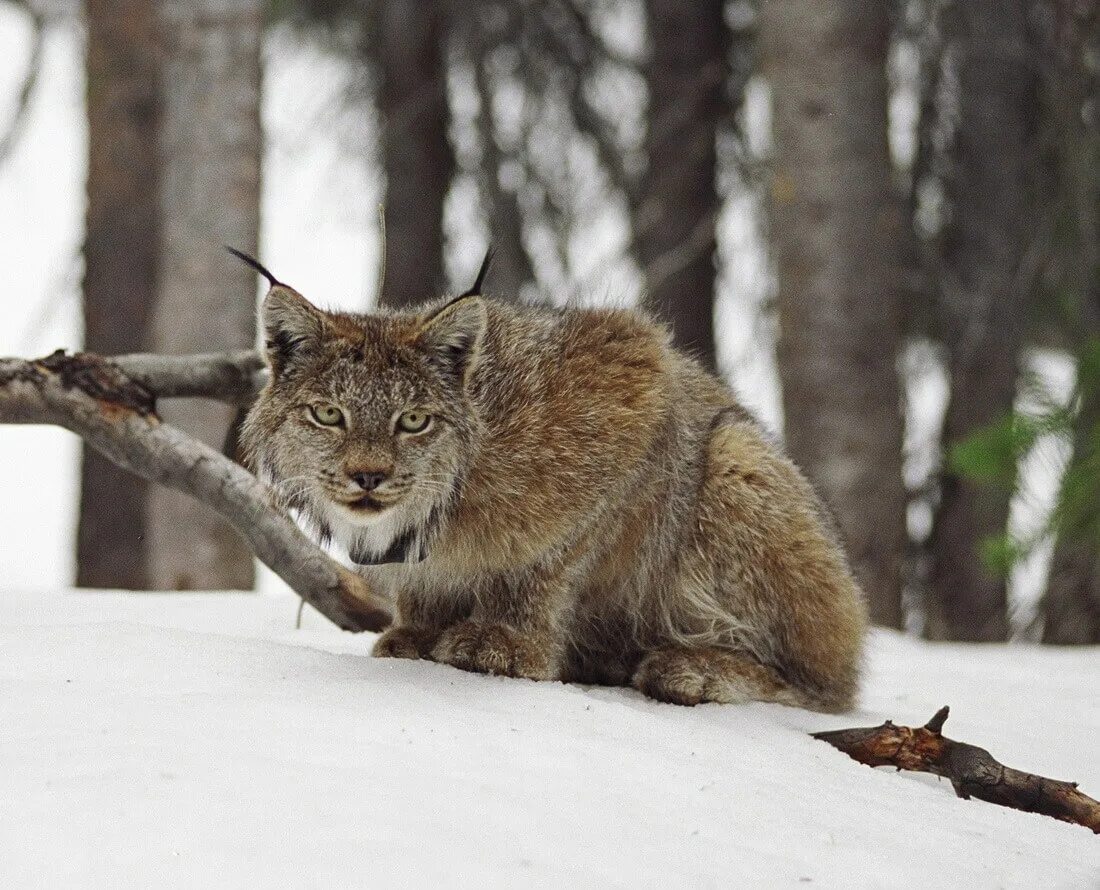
[
  {"x": 209, "y": 195},
  {"x": 837, "y": 242},
  {"x": 120, "y": 263},
  {"x": 417, "y": 155},
  {"x": 985, "y": 293},
  {"x": 678, "y": 207}
]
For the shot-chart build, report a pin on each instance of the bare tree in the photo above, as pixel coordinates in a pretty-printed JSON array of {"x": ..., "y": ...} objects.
[
  {"x": 835, "y": 228},
  {"x": 1070, "y": 608},
  {"x": 678, "y": 207},
  {"x": 416, "y": 152},
  {"x": 986, "y": 280},
  {"x": 120, "y": 258},
  {"x": 209, "y": 194}
]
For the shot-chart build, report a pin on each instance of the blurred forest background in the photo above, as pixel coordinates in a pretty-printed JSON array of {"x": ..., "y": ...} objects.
[{"x": 917, "y": 183}]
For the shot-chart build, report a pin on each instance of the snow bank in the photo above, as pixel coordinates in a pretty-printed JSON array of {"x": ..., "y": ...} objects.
[{"x": 200, "y": 741}]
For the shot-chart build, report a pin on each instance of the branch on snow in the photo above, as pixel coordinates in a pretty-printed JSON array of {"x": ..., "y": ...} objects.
[
  {"x": 972, "y": 770},
  {"x": 115, "y": 413}
]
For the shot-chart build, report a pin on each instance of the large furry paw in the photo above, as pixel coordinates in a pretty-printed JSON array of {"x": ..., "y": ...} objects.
[
  {"x": 694, "y": 676},
  {"x": 405, "y": 642},
  {"x": 493, "y": 649}
]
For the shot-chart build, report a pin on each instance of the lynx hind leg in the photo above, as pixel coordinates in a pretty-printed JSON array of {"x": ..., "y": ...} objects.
[
  {"x": 694, "y": 676},
  {"x": 787, "y": 567}
]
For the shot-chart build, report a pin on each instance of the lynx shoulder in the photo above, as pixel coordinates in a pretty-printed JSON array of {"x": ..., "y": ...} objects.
[{"x": 557, "y": 494}]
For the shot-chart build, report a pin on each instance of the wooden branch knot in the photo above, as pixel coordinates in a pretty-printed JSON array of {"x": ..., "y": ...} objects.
[{"x": 100, "y": 379}]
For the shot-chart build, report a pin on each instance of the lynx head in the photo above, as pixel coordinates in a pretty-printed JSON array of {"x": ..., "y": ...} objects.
[{"x": 365, "y": 427}]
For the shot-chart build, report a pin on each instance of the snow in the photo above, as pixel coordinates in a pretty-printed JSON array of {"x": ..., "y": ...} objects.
[{"x": 196, "y": 740}]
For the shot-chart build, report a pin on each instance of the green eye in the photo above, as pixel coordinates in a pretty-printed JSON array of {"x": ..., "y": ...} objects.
[
  {"x": 327, "y": 415},
  {"x": 414, "y": 421}
]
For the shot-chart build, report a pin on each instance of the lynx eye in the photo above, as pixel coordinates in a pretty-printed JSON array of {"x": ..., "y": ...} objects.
[
  {"x": 327, "y": 415},
  {"x": 413, "y": 421}
]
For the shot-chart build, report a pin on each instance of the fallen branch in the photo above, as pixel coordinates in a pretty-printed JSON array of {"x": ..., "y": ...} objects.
[
  {"x": 972, "y": 770},
  {"x": 116, "y": 414}
]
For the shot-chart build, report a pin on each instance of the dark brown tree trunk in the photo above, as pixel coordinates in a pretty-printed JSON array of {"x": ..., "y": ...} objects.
[
  {"x": 837, "y": 241},
  {"x": 984, "y": 294},
  {"x": 120, "y": 258},
  {"x": 209, "y": 194},
  {"x": 1070, "y": 608},
  {"x": 416, "y": 152},
  {"x": 1071, "y": 603},
  {"x": 678, "y": 203}
]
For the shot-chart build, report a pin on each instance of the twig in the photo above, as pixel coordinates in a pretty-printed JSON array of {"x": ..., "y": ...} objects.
[
  {"x": 115, "y": 414},
  {"x": 972, "y": 770}
]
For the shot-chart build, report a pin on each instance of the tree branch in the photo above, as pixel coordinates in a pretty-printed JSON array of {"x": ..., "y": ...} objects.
[
  {"x": 972, "y": 770},
  {"x": 233, "y": 377},
  {"x": 94, "y": 398}
]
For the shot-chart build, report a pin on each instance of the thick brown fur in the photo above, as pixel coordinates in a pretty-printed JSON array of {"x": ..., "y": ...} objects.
[{"x": 591, "y": 505}]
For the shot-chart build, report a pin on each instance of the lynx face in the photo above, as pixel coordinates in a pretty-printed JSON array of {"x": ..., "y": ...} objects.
[{"x": 365, "y": 427}]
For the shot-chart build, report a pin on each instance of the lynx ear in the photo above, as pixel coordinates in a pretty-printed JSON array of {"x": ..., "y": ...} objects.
[
  {"x": 292, "y": 327},
  {"x": 453, "y": 335},
  {"x": 291, "y": 324}
]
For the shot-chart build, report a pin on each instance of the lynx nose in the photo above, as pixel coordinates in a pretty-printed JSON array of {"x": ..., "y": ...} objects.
[{"x": 368, "y": 480}]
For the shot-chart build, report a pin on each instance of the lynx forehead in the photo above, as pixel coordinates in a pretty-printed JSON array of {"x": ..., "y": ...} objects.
[{"x": 565, "y": 496}]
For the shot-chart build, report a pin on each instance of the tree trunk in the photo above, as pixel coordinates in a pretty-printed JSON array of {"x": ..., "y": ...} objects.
[
  {"x": 678, "y": 204},
  {"x": 120, "y": 260},
  {"x": 984, "y": 297},
  {"x": 1070, "y": 608},
  {"x": 416, "y": 151},
  {"x": 209, "y": 195},
  {"x": 1071, "y": 604},
  {"x": 512, "y": 271},
  {"x": 837, "y": 241}
]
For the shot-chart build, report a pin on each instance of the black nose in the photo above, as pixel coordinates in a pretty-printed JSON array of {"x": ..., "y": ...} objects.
[{"x": 368, "y": 481}]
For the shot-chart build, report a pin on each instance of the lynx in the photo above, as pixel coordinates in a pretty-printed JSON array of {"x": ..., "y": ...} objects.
[{"x": 557, "y": 493}]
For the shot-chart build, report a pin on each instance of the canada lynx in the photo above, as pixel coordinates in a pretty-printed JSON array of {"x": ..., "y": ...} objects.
[{"x": 557, "y": 494}]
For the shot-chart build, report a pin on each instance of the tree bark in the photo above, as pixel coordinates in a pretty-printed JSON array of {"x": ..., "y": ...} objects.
[
  {"x": 835, "y": 228},
  {"x": 1070, "y": 607},
  {"x": 120, "y": 262},
  {"x": 416, "y": 151},
  {"x": 678, "y": 203},
  {"x": 984, "y": 296},
  {"x": 209, "y": 195}
]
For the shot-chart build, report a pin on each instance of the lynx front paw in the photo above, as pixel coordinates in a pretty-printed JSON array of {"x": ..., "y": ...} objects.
[
  {"x": 405, "y": 642},
  {"x": 493, "y": 649}
]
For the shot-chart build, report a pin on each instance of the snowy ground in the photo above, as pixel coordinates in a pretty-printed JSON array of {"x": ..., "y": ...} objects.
[{"x": 196, "y": 740}]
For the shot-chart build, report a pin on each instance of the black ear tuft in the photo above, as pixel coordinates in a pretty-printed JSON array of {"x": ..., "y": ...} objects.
[
  {"x": 479, "y": 282},
  {"x": 254, "y": 263}
]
